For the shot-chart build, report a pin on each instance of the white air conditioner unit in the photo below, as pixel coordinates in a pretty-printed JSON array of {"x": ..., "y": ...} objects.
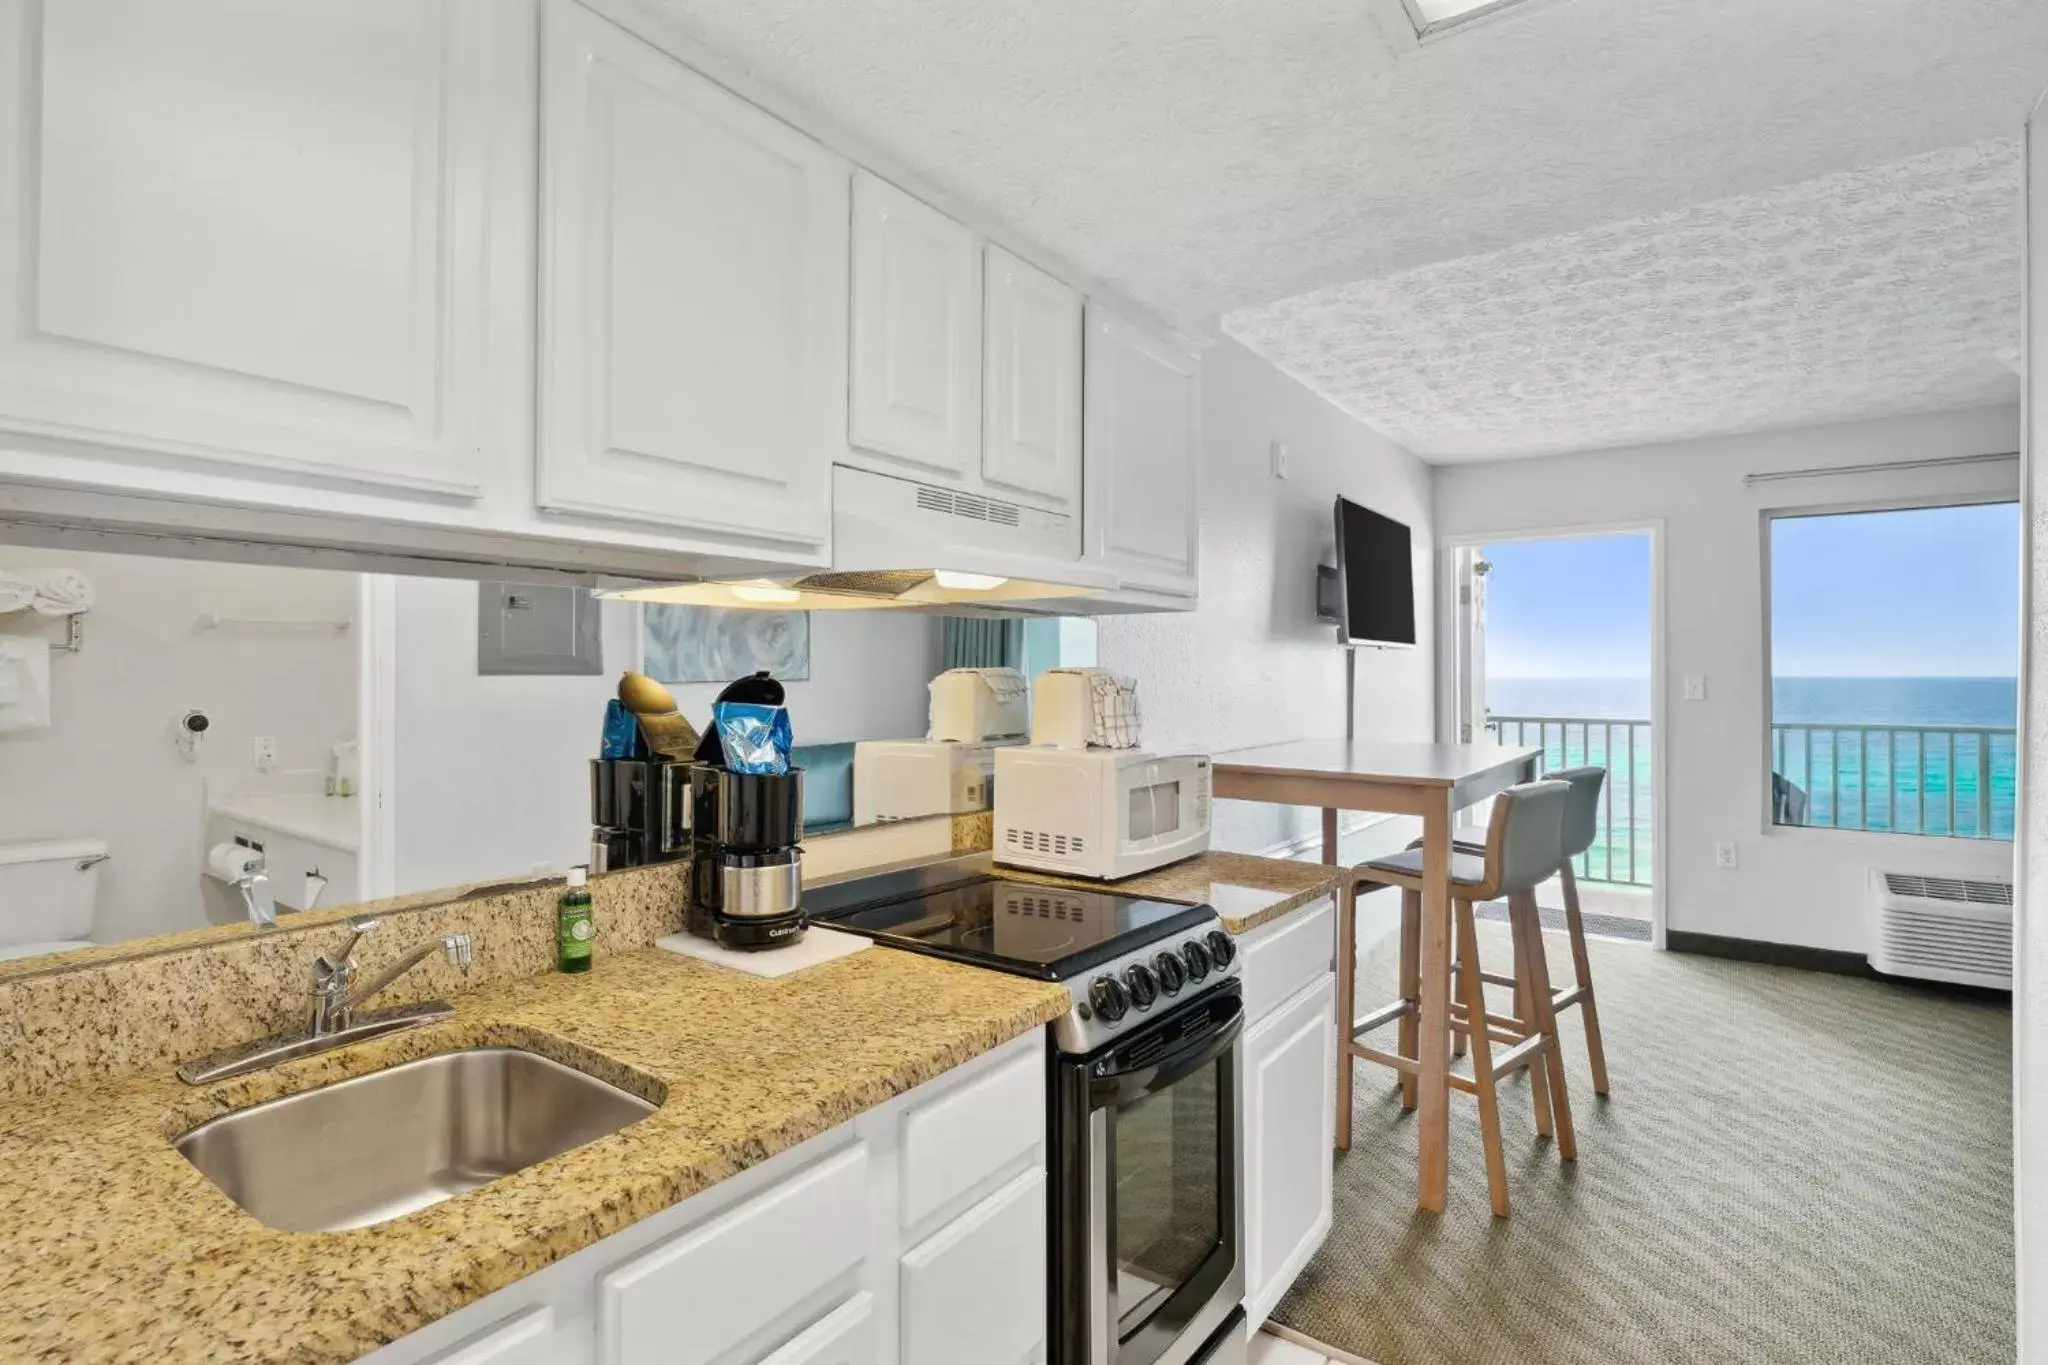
[{"x": 1953, "y": 929}]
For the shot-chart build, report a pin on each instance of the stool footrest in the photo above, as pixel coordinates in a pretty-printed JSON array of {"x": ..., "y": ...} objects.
[
  {"x": 1381, "y": 1017},
  {"x": 1570, "y": 996},
  {"x": 1407, "y": 1066},
  {"x": 1520, "y": 1055}
]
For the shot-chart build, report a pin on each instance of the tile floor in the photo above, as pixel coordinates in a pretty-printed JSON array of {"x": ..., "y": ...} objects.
[{"x": 1268, "y": 1349}]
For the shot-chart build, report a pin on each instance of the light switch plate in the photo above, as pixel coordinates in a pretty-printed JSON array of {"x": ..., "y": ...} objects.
[
  {"x": 1695, "y": 688},
  {"x": 1725, "y": 857}
]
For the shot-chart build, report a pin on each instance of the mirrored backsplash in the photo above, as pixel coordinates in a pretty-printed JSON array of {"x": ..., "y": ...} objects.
[{"x": 170, "y": 727}]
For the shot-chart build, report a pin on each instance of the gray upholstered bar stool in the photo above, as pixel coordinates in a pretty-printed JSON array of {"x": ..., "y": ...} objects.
[
  {"x": 1523, "y": 847},
  {"x": 1581, "y": 827}
]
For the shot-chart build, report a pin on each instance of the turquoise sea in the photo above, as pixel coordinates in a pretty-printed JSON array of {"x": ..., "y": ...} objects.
[{"x": 1931, "y": 756}]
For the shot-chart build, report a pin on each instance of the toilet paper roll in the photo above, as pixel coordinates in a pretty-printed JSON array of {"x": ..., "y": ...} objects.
[{"x": 232, "y": 862}]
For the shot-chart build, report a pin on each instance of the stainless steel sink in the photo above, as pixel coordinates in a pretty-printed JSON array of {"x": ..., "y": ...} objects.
[{"x": 369, "y": 1150}]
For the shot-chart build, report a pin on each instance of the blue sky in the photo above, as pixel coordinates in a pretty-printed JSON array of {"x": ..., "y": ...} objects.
[{"x": 1931, "y": 592}]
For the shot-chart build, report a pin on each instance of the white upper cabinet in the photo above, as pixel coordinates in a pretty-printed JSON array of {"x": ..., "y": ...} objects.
[
  {"x": 693, "y": 313},
  {"x": 1143, "y": 512},
  {"x": 250, "y": 236},
  {"x": 916, "y": 367},
  {"x": 1031, "y": 442}
]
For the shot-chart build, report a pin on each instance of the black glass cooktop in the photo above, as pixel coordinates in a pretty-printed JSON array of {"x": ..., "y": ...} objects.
[{"x": 1049, "y": 932}]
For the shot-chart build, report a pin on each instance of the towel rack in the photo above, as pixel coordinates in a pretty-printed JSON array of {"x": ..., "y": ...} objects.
[
  {"x": 74, "y": 630},
  {"x": 213, "y": 620}
]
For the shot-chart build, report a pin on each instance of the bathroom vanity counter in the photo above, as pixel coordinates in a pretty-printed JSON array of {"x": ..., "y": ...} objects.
[{"x": 121, "y": 1250}]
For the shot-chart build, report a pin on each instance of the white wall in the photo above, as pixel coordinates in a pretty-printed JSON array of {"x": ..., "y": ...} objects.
[
  {"x": 492, "y": 773},
  {"x": 107, "y": 768},
  {"x": 1252, "y": 664},
  {"x": 2030, "y": 1023},
  {"x": 1798, "y": 886}
]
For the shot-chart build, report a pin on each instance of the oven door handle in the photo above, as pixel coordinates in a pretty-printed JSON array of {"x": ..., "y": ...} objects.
[{"x": 1122, "y": 1086}]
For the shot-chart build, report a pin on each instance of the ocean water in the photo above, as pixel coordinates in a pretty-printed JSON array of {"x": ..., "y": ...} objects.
[{"x": 1934, "y": 756}]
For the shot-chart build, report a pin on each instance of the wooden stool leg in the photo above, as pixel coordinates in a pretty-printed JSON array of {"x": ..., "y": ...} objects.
[
  {"x": 1546, "y": 1024},
  {"x": 1474, "y": 992},
  {"x": 1411, "y": 987},
  {"x": 1347, "y": 1005},
  {"x": 1582, "y": 972},
  {"x": 1461, "y": 992},
  {"x": 1525, "y": 1010}
]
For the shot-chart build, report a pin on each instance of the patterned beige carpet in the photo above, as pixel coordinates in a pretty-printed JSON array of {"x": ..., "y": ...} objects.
[{"x": 1793, "y": 1169}]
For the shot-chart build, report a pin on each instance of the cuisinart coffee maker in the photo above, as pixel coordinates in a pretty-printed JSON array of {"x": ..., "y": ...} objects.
[{"x": 746, "y": 869}]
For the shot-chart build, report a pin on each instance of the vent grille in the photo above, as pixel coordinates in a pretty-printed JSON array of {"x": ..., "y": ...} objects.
[
  {"x": 1956, "y": 929},
  {"x": 1047, "y": 908},
  {"x": 1039, "y": 841},
  {"x": 1957, "y": 890},
  {"x": 970, "y": 506}
]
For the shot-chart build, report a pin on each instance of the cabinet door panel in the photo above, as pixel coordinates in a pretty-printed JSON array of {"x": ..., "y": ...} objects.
[
  {"x": 1143, "y": 512},
  {"x": 693, "y": 296},
  {"x": 251, "y": 235},
  {"x": 528, "y": 1339},
  {"x": 916, "y": 367},
  {"x": 976, "y": 1289},
  {"x": 692, "y": 1299},
  {"x": 1290, "y": 1118},
  {"x": 846, "y": 1336},
  {"x": 1032, "y": 437}
]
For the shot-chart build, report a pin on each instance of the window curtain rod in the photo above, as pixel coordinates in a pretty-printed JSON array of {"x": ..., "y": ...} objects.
[{"x": 1828, "y": 471}]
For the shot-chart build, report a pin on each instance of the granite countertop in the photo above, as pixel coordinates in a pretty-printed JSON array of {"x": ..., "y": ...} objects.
[
  {"x": 1248, "y": 891},
  {"x": 117, "y": 1249}
]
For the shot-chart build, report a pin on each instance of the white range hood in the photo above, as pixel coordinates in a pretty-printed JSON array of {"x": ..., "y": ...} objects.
[{"x": 898, "y": 542}]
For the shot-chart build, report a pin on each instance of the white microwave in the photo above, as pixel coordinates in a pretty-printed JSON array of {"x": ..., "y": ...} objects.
[{"x": 1104, "y": 813}]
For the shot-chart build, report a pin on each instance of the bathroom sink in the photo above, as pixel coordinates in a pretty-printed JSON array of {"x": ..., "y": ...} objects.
[{"x": 374, "y": 1148}]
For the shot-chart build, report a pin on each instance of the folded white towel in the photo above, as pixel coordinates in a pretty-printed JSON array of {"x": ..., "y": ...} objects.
[
  {"x": 17, "y": 592},
  {"x": 26, "y": 665},
  {"x": 63, "y": 592}
]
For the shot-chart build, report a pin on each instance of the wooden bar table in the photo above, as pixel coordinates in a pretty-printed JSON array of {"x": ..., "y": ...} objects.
[{"x": 1435, "y": 782}]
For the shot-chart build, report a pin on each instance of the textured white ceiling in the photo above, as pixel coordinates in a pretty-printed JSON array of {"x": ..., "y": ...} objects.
[
  {"x": 1202, "y": 154},
  {"x": 1208, "y": 155},
  {"x": 1862, "y": 294}
]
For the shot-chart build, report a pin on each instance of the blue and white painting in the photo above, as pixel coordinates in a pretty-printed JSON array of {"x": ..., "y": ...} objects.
[{"x": 718, "y": 644}]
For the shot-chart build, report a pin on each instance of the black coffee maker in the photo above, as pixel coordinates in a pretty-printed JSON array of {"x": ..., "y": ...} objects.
[{"x": 746, "y": 863}]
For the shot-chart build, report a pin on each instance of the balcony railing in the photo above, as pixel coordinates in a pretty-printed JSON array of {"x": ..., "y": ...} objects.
[
  {"x": 1621, "y": 849},
  {"x": 1951, "y": 781}
]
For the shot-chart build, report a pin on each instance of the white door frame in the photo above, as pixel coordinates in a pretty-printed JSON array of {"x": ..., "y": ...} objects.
[
  {"x": 377, "y": 732},
  {"x": 1448, "y": 683}
]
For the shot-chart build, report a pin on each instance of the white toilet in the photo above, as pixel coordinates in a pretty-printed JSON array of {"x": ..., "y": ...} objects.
[{"x": 46, "y": 895}]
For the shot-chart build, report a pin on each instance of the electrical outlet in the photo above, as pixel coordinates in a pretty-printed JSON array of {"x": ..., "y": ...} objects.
[
  {"x": 1725, "y": 857},
  {"x": 266, "y": 753},
  {"x": 1695, "y": 688},
  {"x": 1280, "y": 453}
]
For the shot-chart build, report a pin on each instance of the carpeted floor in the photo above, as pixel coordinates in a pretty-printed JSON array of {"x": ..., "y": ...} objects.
[{"x": 1793, "y": 1169}]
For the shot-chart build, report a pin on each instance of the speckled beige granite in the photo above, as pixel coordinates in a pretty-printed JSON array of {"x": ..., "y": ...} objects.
[
  {"x": 63, "y": 1027},
  {"x": 117, "y": 1250},
  {"x": 974, "y": 831},
  {"x": 1248, "y": 892}
]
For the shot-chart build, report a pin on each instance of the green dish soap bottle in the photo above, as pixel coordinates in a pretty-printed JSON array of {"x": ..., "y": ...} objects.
[{"x": 573, "y": 927}]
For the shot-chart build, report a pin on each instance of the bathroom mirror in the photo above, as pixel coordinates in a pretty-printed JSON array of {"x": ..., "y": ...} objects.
[{"x": 356, "y": 736}]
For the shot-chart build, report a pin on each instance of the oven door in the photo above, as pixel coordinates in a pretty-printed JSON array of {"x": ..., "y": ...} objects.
[{"x": 1148, "y": 1247}]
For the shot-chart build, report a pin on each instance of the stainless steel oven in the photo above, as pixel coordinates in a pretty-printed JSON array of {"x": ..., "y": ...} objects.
[{"x": 1148, "y": 1254}]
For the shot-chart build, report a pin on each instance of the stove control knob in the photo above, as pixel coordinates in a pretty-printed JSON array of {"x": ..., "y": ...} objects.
[
  {"x": 1172, "y": 976},
  {"x": 1221, "y": 948},
  {"x": 1111, "y": 1001},
  {"x": 1197, "y": 959},
  {"x": 1144, "y": 986}
]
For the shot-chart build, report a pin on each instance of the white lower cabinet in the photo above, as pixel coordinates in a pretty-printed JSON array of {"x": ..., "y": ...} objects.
[
  {"x": 976, "y": 1290},
  {"x": 1289, "y": 1099},
  {"x": 847, "y": 1336},
  {"x": 527, "y": 1339},
  {"x": 814, "y": 1257}
]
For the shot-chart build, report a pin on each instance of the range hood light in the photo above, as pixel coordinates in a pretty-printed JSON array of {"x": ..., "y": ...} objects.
[
  {"x": 765, "y": 593},
  {"x": 967, "y": 582}
]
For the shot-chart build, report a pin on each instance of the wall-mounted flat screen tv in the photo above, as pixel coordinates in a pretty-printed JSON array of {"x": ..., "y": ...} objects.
[{"x": 1376, "y": 578}]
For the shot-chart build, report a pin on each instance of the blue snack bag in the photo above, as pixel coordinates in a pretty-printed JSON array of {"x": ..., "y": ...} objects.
[
  {"x": 621, "y": 733},
  {"x": 756, "y": 737}
]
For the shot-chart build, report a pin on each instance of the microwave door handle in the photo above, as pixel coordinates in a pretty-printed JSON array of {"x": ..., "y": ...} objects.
[{"x": 1124, "y": 1086}]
